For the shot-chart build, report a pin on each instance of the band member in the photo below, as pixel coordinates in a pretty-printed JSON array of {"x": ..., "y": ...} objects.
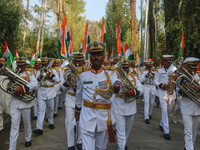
[
  {"x": 5, "y": 98},
  {"x": 57, "y": 85},
  {"x": 149, "y": 89},
  {"x": 36, "y": 70},
  {"x": 189, "y": 109},
  {"x": 70, "y": 121},
  {"x": 124, "y": 111},
  {"x": 94, "y": 90},
  {"x": 162, "y": 81},
  {"x": 46, "y": 93},
  {"x": 19, "y": 108}
]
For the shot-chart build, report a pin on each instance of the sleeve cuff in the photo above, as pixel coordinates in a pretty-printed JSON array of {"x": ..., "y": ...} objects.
[
  {"x": 77, "y": 109},
  {"x": 161, "y": 85},
  {"x": 24, "y": 89},
  {"x": 65, "y": 84},
  {"x": 135, "y": 92},
  {"x": 51, "y": 75}
]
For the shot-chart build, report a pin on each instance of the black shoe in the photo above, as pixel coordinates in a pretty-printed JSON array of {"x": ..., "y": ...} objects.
[
  {"x": 28, "y": 144},
  {"x": 167, "y": 137},
  {"x": 184, "y": 148},
  {"x": 161, "y": 128},
  {"x": 126, "y": 147},
  {"x": 74, "y": 128},
  {"x": 51, "y": 126},
  {"x": 38, "y": 132},
  {"x": 35, "y": 118},
  {"x": 71, "y": 148},
  {"x": 59, "y": 108},
  {"x": 55, "y": 115},
  {"x": 79, "y": 146},
  {"x": 150, "y": 117},
  {"x": 147, "y": 121}
]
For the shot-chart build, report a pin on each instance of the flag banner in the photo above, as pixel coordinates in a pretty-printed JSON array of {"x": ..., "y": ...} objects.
[
  {"x": 111, "y": 56},
  {"x": 118, "y": 37},
  {"x": 103, "y": 35},
  {"x": 86, "y": 42},
  {"x": 181, "y": 49},
  {"x": 16, "y": 54},
  {"x": 32, "y": 59},
  {"x": 64, "y": 40},
  {"x": 81, "y": 47},
  {"x": 8, "y": 55},
  {"x": 127, "y": 53},
  {"x": 70, "y": 48}
]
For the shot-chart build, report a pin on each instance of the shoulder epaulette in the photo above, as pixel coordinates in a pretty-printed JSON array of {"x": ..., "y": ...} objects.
[
  {"x": 159, "y": 67},
  {"x": 82, "y": 69},
  {"x": 134, "y": 74},
  {"x": 29, "y": 69},
  {"x": 112, "y": 68}
]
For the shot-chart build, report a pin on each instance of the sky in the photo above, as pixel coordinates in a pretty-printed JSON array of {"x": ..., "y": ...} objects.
[{"x": 94, "y": 9}]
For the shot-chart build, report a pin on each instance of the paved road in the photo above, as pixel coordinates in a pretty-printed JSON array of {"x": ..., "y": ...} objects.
[{"x": 142, "y": 137}]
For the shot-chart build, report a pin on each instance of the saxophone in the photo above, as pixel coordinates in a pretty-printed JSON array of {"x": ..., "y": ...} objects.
[
  {"x": 127, "y": 84},
  {"x": 15, "y": 82}
]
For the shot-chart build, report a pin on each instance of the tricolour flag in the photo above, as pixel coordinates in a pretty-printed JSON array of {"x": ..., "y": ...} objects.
[
  {"x": 16, "y": 54},
  {"x": 86, "y": 42},
  {"x": 64, "y": 39},
  {"x": 127, "y": 53},
  {"x": 32, "y": 59},
  {"x": 81, "y": 47},
  {"x": 118, "y": 37},
  {"x": 8, "y": 55},
  {"x": 14, "y": 64},
  {"x": 111, "y": 55},
  {"x": 71, "y": 48},
  {"x": 103, "y": 35},
  {"x": 181, "y": 49}
]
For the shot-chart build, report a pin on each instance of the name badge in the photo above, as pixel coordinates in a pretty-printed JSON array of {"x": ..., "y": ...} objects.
[{"x": 87, "y": 82}]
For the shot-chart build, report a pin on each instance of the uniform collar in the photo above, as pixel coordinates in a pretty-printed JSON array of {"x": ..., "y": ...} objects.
[{"x": 96, "y": 72}]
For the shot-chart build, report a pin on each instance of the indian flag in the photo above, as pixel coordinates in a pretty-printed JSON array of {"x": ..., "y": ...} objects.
[
  {"x": 70, "y": 48},
  {"x": 181, "y": 49},
  {"x": 14, "y": 64},
  {"x": 8, "y": 55},
  {"x": 64, "y": 39},
  {"x": 127, "y": 53},
  {"x": 86, "y": 42},
  {"x": 118, "y": 37},
  {"x": 103, "y": 35},
  {"x": 81, "y": 47},
  {"x": 32, "y": 59},
  {"x": 16, "y": 54}
]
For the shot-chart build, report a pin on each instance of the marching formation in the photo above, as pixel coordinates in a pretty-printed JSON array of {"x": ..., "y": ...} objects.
[{"x": 100, "y": 98}]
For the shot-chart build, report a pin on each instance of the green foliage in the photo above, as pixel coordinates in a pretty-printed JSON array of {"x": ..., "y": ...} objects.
[{"x": 11, "y": 12}]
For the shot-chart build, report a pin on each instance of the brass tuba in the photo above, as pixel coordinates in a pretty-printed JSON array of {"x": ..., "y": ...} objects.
[
  {"x": 127, "y": 84},
  {"x": 15, "y": 82},
  {"x": 183, "y": 76}
]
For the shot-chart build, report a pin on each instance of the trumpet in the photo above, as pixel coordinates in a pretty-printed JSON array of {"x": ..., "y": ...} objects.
[
  {"x": 45, "y": 71},
  {"x": 184, "y": 76}
]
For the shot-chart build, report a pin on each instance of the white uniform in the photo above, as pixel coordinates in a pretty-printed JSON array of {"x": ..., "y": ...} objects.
[
  {"x": 149, "y": 92},
  {"x": 57, "y": 88},
  {"x": 5, "y": 99},
  {"x": 166, "y": 100},
  {"x": 46, "y": 95},
  {"x": 18, "y": 109},
  {"x": 93, "y": 122},
  {"x": 62, "y": 95},
  {"x": 70, "y": 121},
  {"x": 124, "y": 115},
  {"x": 191, "y": 118},
  {"x": 35, "y": 107}
]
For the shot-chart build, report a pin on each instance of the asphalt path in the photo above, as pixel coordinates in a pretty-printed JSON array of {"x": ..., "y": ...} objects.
[{"x": 142, "y": 137}]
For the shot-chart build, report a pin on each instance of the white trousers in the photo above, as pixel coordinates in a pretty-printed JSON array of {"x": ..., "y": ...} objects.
[
  {"x": 42, "y": 105},
  {"x": 123, "y": 127},
  {"x": 191, "y": 125},
  {"x": 149, "y": 101},
  {"x": 70, "y": 122},
  {"x": 61, "y": 99},
  {"x": 35, "y": 107},
  {"x": 16, "y": 115},
  {"x": 56, "y": 104},
  {"x": 94, "y": 140},
  {"x": 166, "y": 108}
]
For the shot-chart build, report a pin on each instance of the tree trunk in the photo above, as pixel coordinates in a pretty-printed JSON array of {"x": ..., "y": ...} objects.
[
  {"x": 146, "y": 30},
  {"x": 42, "y": 36},
  {"x": 39, "y": 30},
  {"x": 141, "y": 29},
  {"x": 134, "y": 30},
  {"x": 25, "y": 25}
]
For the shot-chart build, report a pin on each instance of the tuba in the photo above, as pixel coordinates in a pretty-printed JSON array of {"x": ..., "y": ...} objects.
[
  {"x": 183, "y": 76},
  {"x": 15, "y": 82},
  {"x": 127, "y": 84}
]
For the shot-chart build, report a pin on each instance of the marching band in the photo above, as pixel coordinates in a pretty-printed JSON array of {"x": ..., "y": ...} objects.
[{"x": 100, "y": 99}]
